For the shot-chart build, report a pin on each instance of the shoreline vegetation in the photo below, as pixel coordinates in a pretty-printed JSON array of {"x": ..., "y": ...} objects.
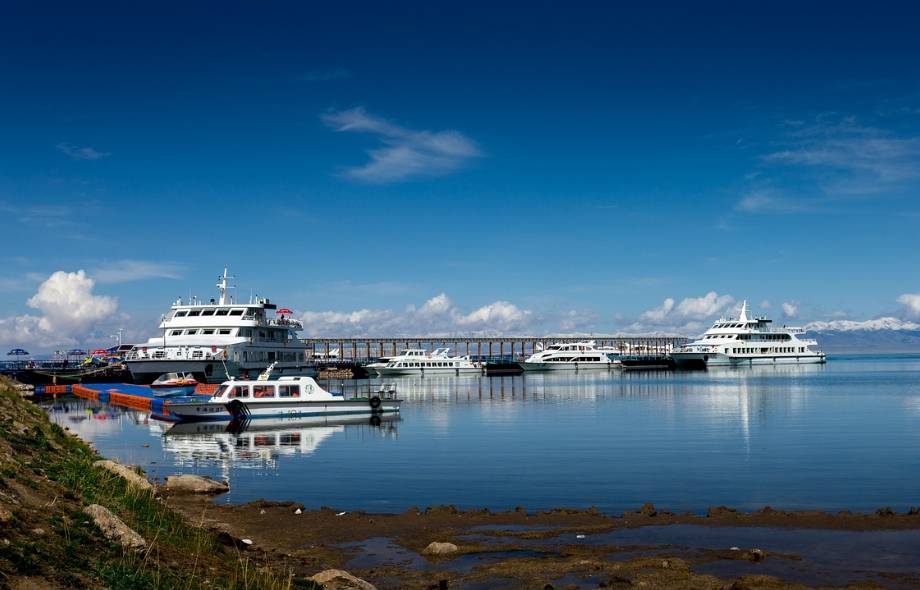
[
  {"x": 48, "y": 480},
  {"x": 66, "y": 521}
]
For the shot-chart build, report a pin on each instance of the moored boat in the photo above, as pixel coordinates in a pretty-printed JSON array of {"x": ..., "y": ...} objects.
[
  {"x": 286, "y": 397},
  {"x": 419, "y": 361},
  {"x": 220, "y": 339},
  {"x": 745, "y": 341},
  {"x": 572, "y": 356},
  {"x": 174, "y": 384}
]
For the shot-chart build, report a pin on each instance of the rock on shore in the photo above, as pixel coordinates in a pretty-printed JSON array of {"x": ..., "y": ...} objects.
[
  {"x": 113, "y": 528},
  {"x": 132, "y": 477},
  {"x": 195, "y": 484},
  {"x": 436, "y": 548},
  {"x": 341, "y": 580}
]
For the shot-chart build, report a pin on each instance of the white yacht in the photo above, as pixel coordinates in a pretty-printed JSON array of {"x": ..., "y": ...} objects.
[
  {"x": 220, "y": 339},
  {"x": 744, "y": 341},
  {"x": 572, "y": 356},
  {"x": 419, "y": 361}
]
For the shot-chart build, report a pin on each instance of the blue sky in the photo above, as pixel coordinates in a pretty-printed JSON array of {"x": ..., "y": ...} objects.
[{"x": 541, "y": 167}]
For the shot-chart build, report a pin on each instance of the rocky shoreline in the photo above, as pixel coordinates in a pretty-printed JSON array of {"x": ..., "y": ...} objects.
[{"x": 521, "y": 549}]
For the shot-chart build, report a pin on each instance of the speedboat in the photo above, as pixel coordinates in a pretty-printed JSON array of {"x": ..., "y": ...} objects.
[
  {"x": 174, "y": 380},
  {"x": 745, "y": 341},
  {"x": 286, "y": 397},
  {"x": 572, "y": 356},
  {"x": 174, "y": 384}
]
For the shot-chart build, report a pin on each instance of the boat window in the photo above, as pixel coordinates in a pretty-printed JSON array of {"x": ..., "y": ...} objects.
[
  {"x": 208, "y": 311},
  {"x": 190, "y": 332},
  {"x": 194, "y": 313},
  {"x": 289, "y": 438},
  {"x": 236, "y": 312},
  {"x": 222, "y": 311},
  {"x": 240, "y": 391},
  {"x": 222, "y": 392},
  {"x": 288, "y": 391},
  {"x": 175, "y": 332},
  {"x": 208, "y": 331},
  {"x": 224, "y": 331},
  {"x": 181, "y": 314},
  {"x": 263, "y": 391}
]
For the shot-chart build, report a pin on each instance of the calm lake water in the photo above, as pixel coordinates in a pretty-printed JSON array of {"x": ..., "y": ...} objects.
[{"x": 844, "y": 435}]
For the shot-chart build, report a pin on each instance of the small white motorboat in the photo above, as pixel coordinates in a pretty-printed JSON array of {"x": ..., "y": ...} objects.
[
  {"x": 174, "y": 384},
  {"x": 286, "y": 397}
]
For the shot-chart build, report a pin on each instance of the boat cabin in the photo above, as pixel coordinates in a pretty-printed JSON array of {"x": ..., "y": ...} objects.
[{"x": 289, "y": 389}]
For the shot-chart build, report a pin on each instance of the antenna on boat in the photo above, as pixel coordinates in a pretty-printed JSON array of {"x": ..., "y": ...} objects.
[
  {"x": 743, "y": 317},
  {"x": 223, "y": 286}
]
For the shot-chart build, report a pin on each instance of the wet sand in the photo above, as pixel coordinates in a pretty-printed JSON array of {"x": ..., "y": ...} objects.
[{"x": 581, "y": 548}]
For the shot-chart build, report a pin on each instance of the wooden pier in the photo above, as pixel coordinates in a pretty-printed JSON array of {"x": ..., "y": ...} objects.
[{"x": 362, "y": 349}]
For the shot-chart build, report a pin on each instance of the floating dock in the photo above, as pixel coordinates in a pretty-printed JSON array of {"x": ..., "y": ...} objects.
[{"x": 138, "y": 397}]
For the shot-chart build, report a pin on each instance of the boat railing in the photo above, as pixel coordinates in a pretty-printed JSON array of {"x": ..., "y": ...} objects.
[
  {"x": 286, "y": 322},
  {"x": 352, "y": 390},
  {"x": 783, "y": 330}
]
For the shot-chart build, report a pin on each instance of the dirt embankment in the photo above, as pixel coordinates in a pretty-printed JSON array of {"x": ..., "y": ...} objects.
[{"x": 52, "y": 496}]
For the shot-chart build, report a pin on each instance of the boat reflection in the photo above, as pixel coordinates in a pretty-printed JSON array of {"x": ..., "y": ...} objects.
[{"x": 260, "y": 443}]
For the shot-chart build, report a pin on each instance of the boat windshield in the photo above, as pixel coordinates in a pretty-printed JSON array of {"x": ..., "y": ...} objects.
[{"x": 222, "y": 390}]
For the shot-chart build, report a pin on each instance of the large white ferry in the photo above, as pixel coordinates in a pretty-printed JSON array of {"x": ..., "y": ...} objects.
[
  {"x": 744, "y": 341},
  {"x": 220, "y": 339},
  {"x": 419, "y": 361},
  {"x": 572, "y": 356}
]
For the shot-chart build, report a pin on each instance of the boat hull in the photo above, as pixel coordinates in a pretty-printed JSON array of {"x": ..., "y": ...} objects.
[
  {"x": 392, "y": 371},
  {"x": 270, "y": 424},
  {"x": 207, "y": 411},
  {"x": 555, "y": 366},
  {"x": 702, "y": 360},
  {"x": 146, "y": 371}
]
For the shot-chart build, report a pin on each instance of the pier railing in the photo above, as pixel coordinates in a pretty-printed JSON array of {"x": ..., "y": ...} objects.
[{"x": 363, "y": 348}]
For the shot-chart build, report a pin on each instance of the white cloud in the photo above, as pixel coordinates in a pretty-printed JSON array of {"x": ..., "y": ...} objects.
[
  {"x": 703, "y": 307},
  {"x": 579, "y": 321},
  {"x": 883, "y": 323},
  {"x": 406, "y": 153},
  {"x": 769, "y": 200},
  {"x": 911, "y": 301},
  {"x": 790, "y": 309},
  {"x": 658, "y": 314},
  {"x": 829, "y": 159},
  {"x": 123, "y": 271},
  {"x": 499, "y": 316},
  {"x": 765, "y": 304},
  {"x": 437, "y": 316},
  {"x": 685, "y": 317},
  {"x": 81, "y": 153},
  {"x": 69, "y": 311},
  {"x": 843, "y": 144}
]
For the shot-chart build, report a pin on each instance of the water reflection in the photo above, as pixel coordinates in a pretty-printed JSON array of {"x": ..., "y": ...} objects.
[
  {"x": 837, "y": 436},
  {"x": 261, "y": 443}
]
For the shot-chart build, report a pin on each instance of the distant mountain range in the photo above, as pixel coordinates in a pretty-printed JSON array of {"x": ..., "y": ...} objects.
[{"x": 885, "y": 334}]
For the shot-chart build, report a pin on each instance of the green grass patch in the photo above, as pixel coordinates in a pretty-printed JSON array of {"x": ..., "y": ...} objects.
[{"x": 58, "y": 471}]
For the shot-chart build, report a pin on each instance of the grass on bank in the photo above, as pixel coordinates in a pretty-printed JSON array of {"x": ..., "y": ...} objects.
[{"x": 47, "y": 478}]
